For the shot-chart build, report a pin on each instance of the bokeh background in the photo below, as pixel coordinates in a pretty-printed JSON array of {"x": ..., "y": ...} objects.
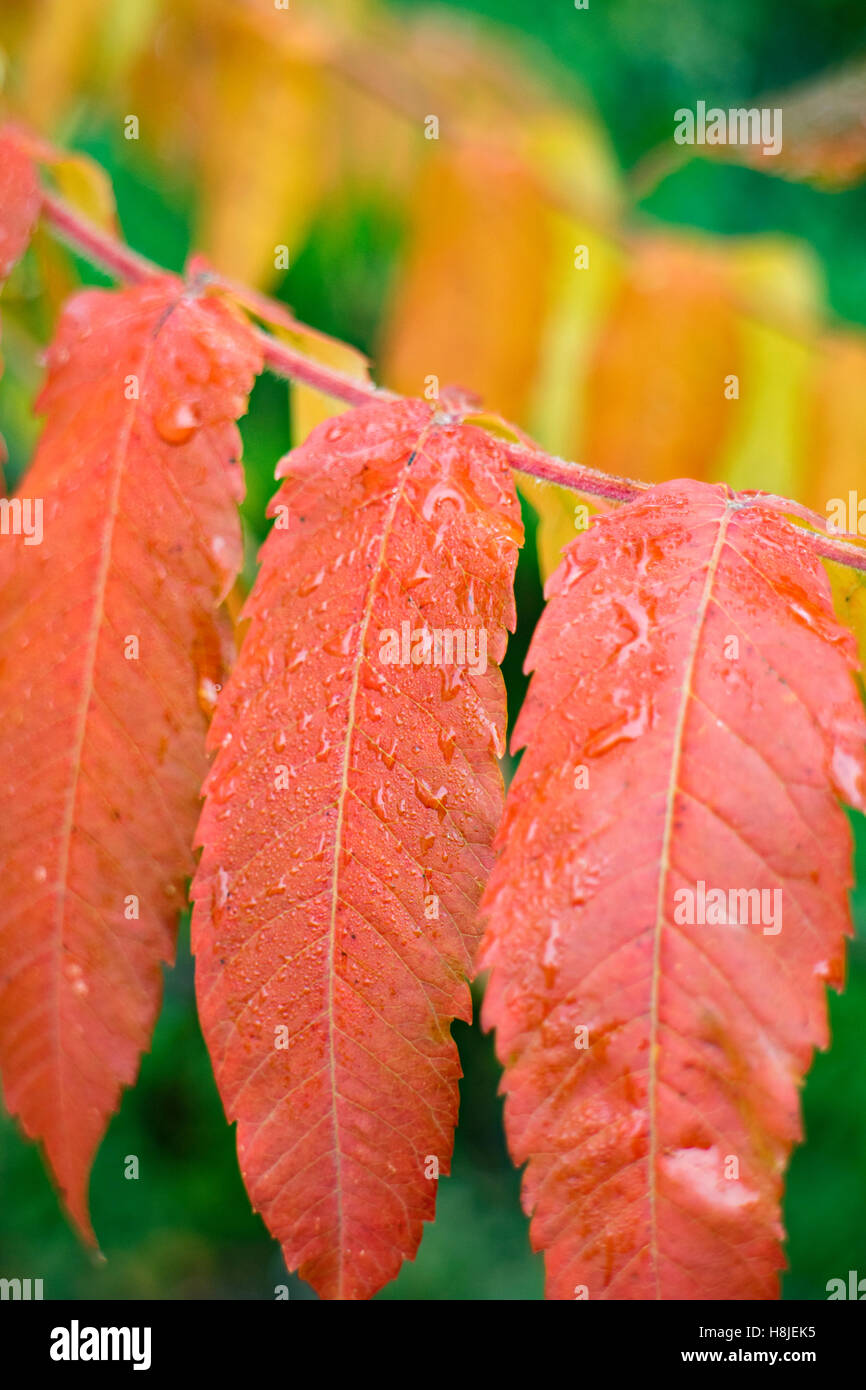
[{"x": 454, "y": 257}]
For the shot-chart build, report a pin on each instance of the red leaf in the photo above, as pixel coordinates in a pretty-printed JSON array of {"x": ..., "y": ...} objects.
[
  {"x": 701, "y": 768},
  {"x": 347, "y": 795},
  {"x": 19, "y": 202},
  {"x": 103, "y": 752}
]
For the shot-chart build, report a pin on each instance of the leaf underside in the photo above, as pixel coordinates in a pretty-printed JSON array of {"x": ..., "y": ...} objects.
[
  {"x": 656, "y": 1139},
  {"x": 112, "y": 656},
  {"x": 346, "y": 834}
]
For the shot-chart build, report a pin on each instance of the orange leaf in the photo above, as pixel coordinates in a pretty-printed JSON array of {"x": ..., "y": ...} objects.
[
  {"x": 690, "y": 724},
  {"x": 19, "y": 209},
  {"x": 655, "y": 394},
  {"x": 836, "y": 429},
  {"x": 446, "y": 316},
  {"x": 347, "y": 831},
  {"x": 110, "y": 641}
]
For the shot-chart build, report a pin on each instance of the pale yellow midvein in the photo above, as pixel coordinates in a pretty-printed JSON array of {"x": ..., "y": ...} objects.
[
  {"x": 89, "y": 670},
  {"x": 338, "y": 832},
  {"x": 664, "y": 868}
]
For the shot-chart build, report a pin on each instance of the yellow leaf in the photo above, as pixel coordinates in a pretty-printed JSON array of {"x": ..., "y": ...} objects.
[
  {"x": 779, "y": 285},
  {"x": 579, "y": 302},
  {"x": 572, "y": 155},
  {"x": 570, "y": 149},
  {"x": 55, "y": 57},
  {"x": 562, "y": 515},
  {"x": 656, "y": 405},
  {"x": 260, "y": 153},
  {"x": 469, "y": 304},
  {"x": 57, "y": 278},
  {"x": 311, "y": 407},
  {"x": 837, "y": 438},
  {"x": 582, "y": 180},
  {"x": 849, "y": 600},
  {"x": 85, "y": 184},
  {"x": 125, "y": 30}
]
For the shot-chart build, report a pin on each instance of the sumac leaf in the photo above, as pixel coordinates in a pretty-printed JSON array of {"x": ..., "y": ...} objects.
[
  {"x": 19, "y": 209},
  {"x": 347, "y": 828},
  {"x": 666, "y": 345},
  {"x": 692, "y": 720},
  {"x": 19, "y": 201},
  {"x": 111, "y": 655}
]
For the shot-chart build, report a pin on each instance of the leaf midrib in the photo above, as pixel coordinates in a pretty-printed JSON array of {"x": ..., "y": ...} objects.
[
  {"x": 664, "y": 870},
  {"x": 372, "y": 590},
  {"x": 88, "y": 682}
]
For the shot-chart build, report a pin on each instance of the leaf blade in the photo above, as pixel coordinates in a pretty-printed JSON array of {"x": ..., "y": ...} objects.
[
  {"x": 19, "y": 210},
  {"x": 103, "y": 751},
  {"x": 697, "y": 1036},
  {"x": 335, "y": 1129}
]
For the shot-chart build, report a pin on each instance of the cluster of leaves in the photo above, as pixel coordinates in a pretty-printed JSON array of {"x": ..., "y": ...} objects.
[{"x": 353, "y": 808}]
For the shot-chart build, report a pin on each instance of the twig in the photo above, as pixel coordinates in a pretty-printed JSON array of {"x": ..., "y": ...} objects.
[
  {"x": 95, "y": 245},
  {"x": 576, "y": 476},
  {"x": 285, "y": 360},
  {"x": 291, "y": 362}
]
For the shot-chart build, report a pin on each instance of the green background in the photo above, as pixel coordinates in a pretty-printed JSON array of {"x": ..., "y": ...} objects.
[{"x": 185, "y": 1229}]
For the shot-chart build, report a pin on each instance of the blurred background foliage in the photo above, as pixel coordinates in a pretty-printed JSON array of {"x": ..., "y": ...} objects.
[{"x": 307, "y": 128}]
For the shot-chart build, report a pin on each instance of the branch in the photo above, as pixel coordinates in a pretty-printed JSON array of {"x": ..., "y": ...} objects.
[
  {"x": 94, "y": 245},
  {"x": 287, "y": 361},
  {"x": 125, "y": 264},
  {"x": 550, "y": 469},
  {"x": 294, "y": 364}
]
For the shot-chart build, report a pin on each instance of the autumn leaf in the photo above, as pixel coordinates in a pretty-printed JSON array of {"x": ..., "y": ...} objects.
[
  {"x": 779, "y": 288},
  {"x": 86, "y": 186},
  {"x": 581, "y": 297},
  {"x": 655, "y": 390},
  {"x": 347, "y": 827},
  {"x": 19, "y": 209},
  {"x": 849, "y": 600},
  {"x": 835, "y": 421},
  {"x": 261, "y": 168},
  {"x": 821, "y": 131},
  {"x": 55, "y": 55},
  {"x": 691, "y": 722},
  {"x": 19, "y": 201},
  {"x": 836, "y": 430},
  {"x": 112, "y": 656},
  {"x": 468, "y": 201}
]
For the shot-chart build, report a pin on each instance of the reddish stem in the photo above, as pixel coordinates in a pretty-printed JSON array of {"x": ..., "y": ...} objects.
[
  {"x": 839, "y": 551},
  {"x": 96, "y": 246},
  {"x": 550, "y": 469},
  {"x": 291, "y": 362},
  {"x": 121, "y": 261}
]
